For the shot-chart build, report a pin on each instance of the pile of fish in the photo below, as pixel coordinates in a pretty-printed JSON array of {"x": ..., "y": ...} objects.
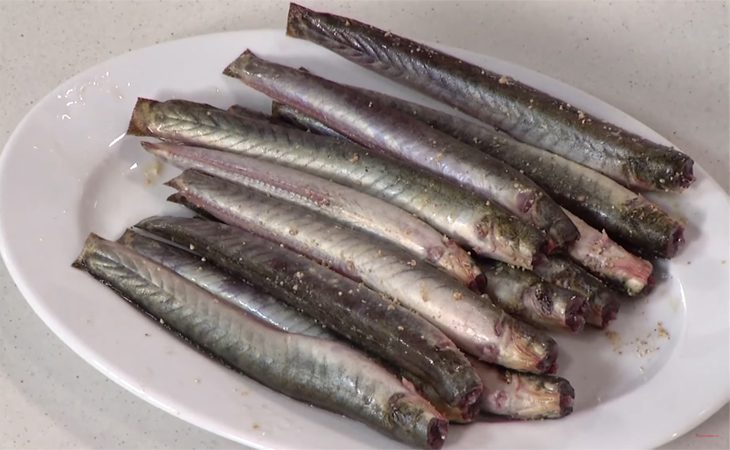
[{"x": 387, "y": 261}]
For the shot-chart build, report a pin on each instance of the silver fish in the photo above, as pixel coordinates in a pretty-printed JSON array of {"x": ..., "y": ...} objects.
[
  {"x": 369, "y": 320},
  {"x": 483, "y": 226},
  {"x": 364, "y": 120},
  {"x": 189, "y": 266},
  {"x": 593, "y": 249},
  {"x": 347, "y": 382},
  {"x": 526, "y": 113},
  {"x": 333, "y": 200},
  {"x": 625, "y": 215},
  {"x": 475, "y": 324}
]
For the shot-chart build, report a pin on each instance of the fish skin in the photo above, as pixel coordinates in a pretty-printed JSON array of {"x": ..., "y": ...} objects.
[
  {"x": 603, "y": 303},
  {"x": 474, "y": 323},
  {"x": 524, "y": 396},
  {"x": 189, "y": 266},
  {"x": 604, "y": 203},
  {"x": 339, "y": 202},
  {"x": 526, "y": 113},
  {"x": 364, "y": 120},
  {"x": 483, "y": 226},
  {"x": 368, "y": 319},
  {"x": 535, "y": 301},
  {"x": 348, "y": 382},
  {"x": 593, "y": 249},
  {"x": 284, "y": 317}
]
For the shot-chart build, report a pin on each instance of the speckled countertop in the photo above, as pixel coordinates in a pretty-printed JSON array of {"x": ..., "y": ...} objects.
[{"x": 664, "y": 63}]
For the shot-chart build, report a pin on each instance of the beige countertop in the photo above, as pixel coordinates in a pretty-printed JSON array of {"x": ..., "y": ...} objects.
[{"x": 664, "y": 63}]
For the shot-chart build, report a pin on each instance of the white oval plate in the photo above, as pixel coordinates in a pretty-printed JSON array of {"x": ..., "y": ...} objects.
[{"x": 68, "y": 170}]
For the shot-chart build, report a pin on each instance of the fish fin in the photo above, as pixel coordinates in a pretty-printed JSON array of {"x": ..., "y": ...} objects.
[
  {"x": 232, "y": 70},
  {"x": 178, "y": 198},
  {"x": 296, "y": 13},
  {"x": 89, "y": 244},
  {"x": 177, "y": 182}
]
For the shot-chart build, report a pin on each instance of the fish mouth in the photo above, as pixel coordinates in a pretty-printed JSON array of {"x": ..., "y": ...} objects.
[
  {"x": 567, "y": 395},
  {"x": 411, "y": 416},
  {"x": 575, "y": 313},
  {"x": 534, "y": 353},
  {"x": 549, "y": 363},
  {"x": 686, "y": 175},
  {"x": 471, "y": 404},
  {"x": 650, "y": 285},
  {"x": 676, "y": 241},
  {"x": 436, "y": 434}
]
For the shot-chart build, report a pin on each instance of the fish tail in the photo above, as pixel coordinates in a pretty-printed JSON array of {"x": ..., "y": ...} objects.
[{"x": 141, "y": 112}]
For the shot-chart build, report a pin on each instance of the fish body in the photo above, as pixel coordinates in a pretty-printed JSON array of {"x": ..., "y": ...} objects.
[
  {"x": 474, "y": 323},
  {"x": 224, "y": 286},
  {"x": 365, "y": 120},
  {"x": 535, "y": 301},
  {"x": 604, "y": 203},
  {"x": 524, "y": 112},
  {"x": 366, "y": 318},
  {"x": 603, "y": 303},
  {"x": 339, "y": 202},
  {"x": 346, "y": 381},
  {"x": 483, "y": 226}
]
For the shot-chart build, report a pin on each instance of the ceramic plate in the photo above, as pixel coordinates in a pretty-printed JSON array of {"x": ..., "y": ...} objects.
[{"x": 68, "y": 169}]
